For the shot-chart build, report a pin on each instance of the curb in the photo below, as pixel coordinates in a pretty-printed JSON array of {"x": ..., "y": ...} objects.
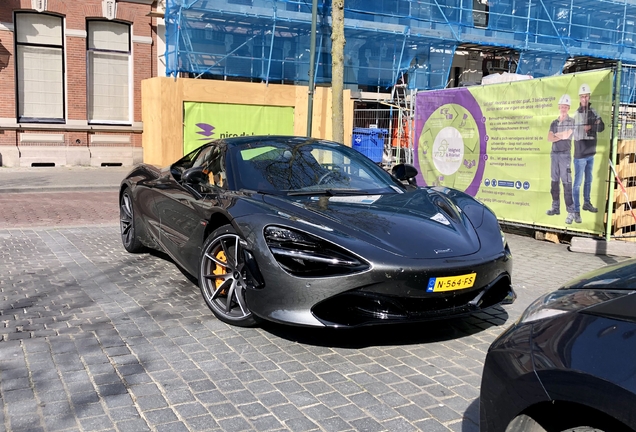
[
  {"x": 76, "y": 188},
  {"x": 602, "y": 247}
]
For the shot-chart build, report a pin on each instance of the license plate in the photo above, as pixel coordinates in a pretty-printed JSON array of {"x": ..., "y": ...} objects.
[{"x": 451, "y": 283}]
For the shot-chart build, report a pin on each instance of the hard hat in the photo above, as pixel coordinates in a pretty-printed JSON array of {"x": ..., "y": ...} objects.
[
  {"x": 565, "y": 100},
  {"x": 584, "y": 89}
]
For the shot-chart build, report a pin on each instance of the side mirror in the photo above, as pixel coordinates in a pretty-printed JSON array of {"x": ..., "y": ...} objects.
[
  {"x": 194, "y": 175},
  {"x": 404, "y": 172}
]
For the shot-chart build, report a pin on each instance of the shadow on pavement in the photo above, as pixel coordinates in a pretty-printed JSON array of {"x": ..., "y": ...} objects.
[
  {"x": 470, "y": 422},
  {"x": 391, "y": 334},
  {"x": 436, "y": 330}
]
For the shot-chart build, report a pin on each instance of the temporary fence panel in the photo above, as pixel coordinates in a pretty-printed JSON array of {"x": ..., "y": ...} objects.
[{"x": 396, "y": 121}]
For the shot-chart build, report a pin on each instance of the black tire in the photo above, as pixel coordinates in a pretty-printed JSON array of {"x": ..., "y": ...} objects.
[
  {"x": 222, "y": 277},
  {"x": 129, "y": 236},
  {"x": 525, "y": 423},
  {"x": 583, "y": 429}
]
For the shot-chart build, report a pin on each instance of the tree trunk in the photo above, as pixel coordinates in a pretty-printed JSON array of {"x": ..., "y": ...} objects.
[{"x": 337, "y": 69}]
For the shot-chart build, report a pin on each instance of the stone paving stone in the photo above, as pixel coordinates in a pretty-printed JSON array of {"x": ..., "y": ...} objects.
[
  {"x": 83, "y": 318},
  {"x": 300, "y": 424}
]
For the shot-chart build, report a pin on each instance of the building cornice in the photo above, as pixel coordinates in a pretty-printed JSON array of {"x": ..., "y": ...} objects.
[
  {"x": 80, "y": 126},
  {"x": 143, "y": 2}
]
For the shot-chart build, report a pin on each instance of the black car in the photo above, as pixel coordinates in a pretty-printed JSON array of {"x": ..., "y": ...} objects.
[
  {"x": 313, "y": 233},
  {"x": 569, "y": 362}
]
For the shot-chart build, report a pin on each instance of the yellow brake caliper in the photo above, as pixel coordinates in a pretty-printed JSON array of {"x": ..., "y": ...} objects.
[{"x": 220, "y": 270}]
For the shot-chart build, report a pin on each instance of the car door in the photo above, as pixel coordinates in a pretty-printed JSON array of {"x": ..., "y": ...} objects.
[{"x": 184, "y": 209}]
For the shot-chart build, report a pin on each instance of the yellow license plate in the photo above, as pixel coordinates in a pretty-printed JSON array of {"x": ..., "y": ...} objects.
[{"x": 451, "y": 283}]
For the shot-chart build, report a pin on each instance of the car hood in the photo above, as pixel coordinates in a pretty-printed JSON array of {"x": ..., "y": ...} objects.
[{"x": 418, "y": 224}]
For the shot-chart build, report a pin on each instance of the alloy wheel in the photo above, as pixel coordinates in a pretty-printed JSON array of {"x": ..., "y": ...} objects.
[{"x": 222, "y": 278}]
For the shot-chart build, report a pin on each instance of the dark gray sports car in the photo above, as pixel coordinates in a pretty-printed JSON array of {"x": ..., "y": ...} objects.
[{"x": 313, "y": 233}]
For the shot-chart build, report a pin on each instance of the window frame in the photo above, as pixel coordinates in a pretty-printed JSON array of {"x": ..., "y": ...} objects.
[
  {"x": 89, "y": 76},
  {"x": 18, "y": 66}
]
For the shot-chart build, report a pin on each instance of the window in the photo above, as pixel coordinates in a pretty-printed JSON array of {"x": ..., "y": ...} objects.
[
  {"x": 109, "y": 48},
  {"x": 39, "y": 67}
]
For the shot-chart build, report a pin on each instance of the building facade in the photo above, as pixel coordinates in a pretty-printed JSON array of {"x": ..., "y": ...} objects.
[{"x": 70, "y": 73}]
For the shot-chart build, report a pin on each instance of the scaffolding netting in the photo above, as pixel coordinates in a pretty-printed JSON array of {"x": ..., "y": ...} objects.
[{"x": 269, "y": 40}]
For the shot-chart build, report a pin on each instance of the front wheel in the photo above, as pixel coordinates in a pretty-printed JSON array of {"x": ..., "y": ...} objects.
[
  {"x": 222, "y": 277},
  {"x": 525, "y": 423}
]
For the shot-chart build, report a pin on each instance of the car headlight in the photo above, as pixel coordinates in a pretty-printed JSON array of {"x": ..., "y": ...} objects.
[
  {"x": 302, "y": 254},
  {"x": 565, "y": 301}
]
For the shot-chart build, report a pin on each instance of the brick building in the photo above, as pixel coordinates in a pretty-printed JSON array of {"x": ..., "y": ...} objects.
[{"x": 70, "y": 74}]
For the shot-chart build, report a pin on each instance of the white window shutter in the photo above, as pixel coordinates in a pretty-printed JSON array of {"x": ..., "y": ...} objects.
[
  {"x": 108, "y": 72},
  {"x": 40, "y": 69}
]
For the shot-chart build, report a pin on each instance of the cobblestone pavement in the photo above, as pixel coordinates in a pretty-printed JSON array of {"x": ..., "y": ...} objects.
[
  {"x": 52, "y": 179},
  {"x": 94, "y": 338},
  {"x": 66, "y": 208}
]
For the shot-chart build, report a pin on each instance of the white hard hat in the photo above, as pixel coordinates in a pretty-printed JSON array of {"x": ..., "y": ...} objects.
[
  {"x": 584, "y": 89},
  {"x": 565, "y": 100}
]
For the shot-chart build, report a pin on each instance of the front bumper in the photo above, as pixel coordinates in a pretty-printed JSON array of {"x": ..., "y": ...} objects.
[
  {"x": 360, "y": 307},
  {"x": 390, "y": 292}
]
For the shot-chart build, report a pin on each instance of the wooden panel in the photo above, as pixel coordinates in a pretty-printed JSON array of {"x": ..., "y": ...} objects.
[
  {"x": 321, "y": 124},
  {"x": 620, "y": 196},
  {"x": 627, "y": 146},
  {"x": 626, "y": 170},
  {"x": 197, "y": 90},
  {"x": 300, "y": 111},
  {"x": 162, "y": 109},
  {"x": 348, "y": 117},
  {"x": 151, "y": 115}
]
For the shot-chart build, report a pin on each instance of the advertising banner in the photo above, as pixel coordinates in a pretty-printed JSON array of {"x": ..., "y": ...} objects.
[
  {"x": 536, "y": 151},
  {"x": 203, "y": 122}
]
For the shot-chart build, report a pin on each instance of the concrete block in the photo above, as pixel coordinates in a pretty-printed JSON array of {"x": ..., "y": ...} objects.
[
  {"x": 603, "y": 247},
  {"x": 78, "y": 155},
  {"x": 9, "y": 156},
  {"x": 107, "y": 155},
  {"x": 42, "y": 154},
  {"x": 138, "y": 155}
]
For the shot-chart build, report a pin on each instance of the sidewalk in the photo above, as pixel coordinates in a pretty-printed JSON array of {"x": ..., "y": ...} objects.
[
  {"x": 61, "y": 179},
  {"x": 59, "y": 196}
]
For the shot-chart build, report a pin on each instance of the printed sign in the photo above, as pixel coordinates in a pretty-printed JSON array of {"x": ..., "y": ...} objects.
[
  {"x": 534, "y": 151},
  {"x": 204, "y": 122}
]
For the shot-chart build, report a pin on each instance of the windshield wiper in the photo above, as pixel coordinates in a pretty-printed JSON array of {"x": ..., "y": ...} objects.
[
  {"x": 259, "y": 191},
  {"x": 328, "y": 192}
]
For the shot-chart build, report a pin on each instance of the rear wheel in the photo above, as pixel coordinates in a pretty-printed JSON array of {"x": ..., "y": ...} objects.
[
  {"x": 222, "y": 277},
  {"x": 127, "y": 223}
]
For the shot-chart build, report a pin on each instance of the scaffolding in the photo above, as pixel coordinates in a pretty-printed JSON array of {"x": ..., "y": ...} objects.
[{"x": 269, "y": 40}]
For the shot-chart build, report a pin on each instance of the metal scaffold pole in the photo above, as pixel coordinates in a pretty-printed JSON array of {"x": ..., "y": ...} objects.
[
  {"x": 614, "y": 150},
  {"x": 312, "y": 56}
]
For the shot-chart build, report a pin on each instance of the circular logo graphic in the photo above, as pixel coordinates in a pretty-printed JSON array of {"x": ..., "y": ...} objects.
[
  {"x": 494, "y": 183},
  {"x": 451, "y": 144},
  {"x": 526, "y": 185},
  {"x": 448, "y": 151},
  {"x": 487, "y": 182},
  {"x": 449, "y": 148},
  {"x": 518, "y": 184}
]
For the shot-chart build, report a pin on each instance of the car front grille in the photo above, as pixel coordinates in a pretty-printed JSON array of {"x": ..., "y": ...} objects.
[{"x": 357, "y": 308}]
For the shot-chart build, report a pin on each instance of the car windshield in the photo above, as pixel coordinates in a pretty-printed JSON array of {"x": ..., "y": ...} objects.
[{"x": 297, "y": 166}]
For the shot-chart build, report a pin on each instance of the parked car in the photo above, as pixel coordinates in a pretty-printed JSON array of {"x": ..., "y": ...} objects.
[
  {"x": 569, "y": 362},
  {"x": 313, "y": 233}
]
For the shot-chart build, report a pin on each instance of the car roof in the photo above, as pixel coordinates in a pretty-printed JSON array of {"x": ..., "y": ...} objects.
[{"x": 271, "y": 139}]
